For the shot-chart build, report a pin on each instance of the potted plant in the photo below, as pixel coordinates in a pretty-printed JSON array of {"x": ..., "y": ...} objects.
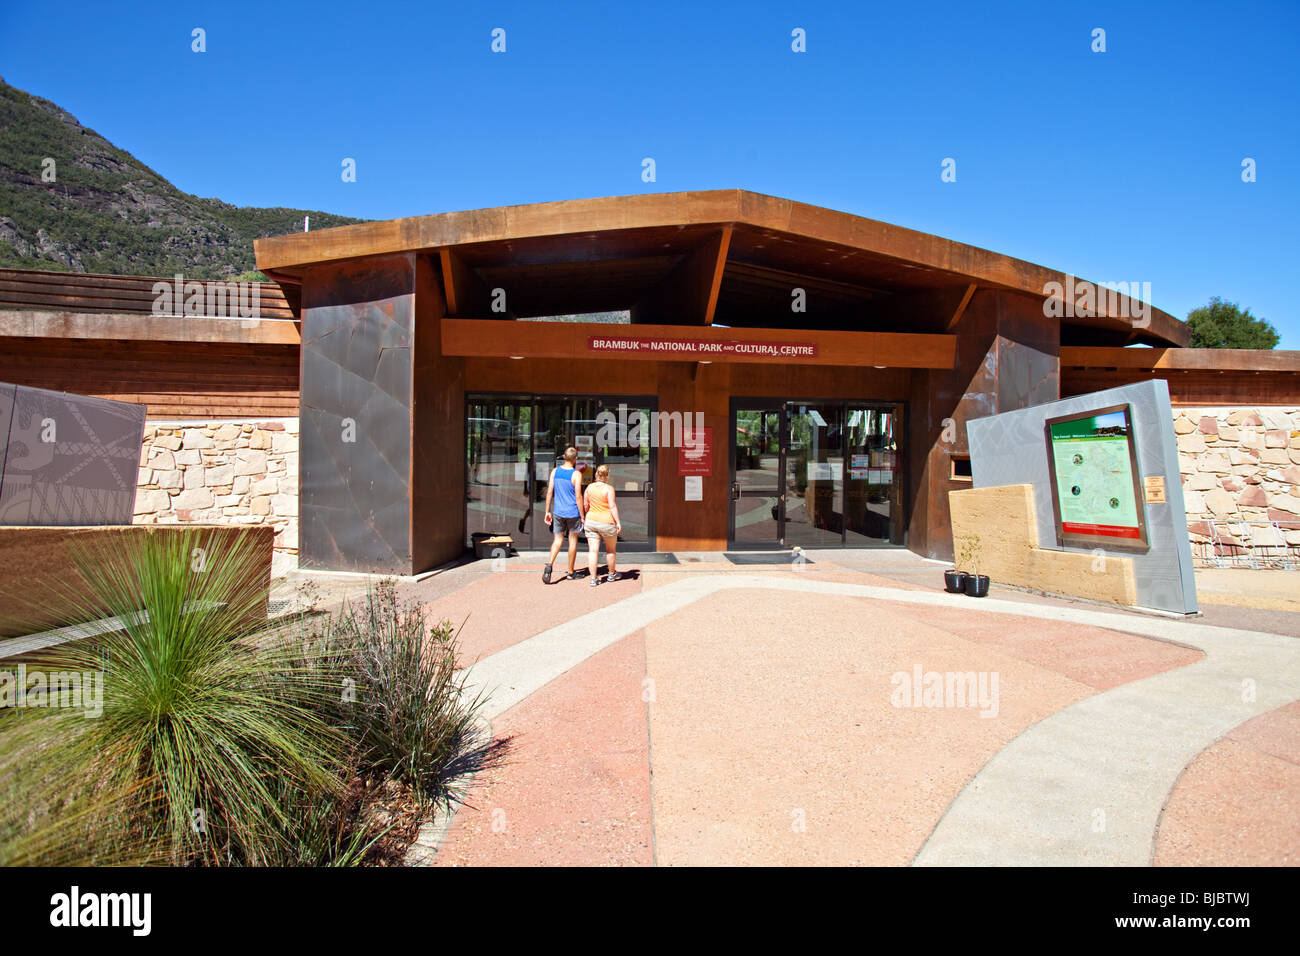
[
  {"x": 954, "y": 581},
  {"x": 976, "y": 584}
]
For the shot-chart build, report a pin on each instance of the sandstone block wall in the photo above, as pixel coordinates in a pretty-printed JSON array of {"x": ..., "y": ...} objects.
[
  {"x": 1240, "y": 465},
  {"x": 233, "y": 471}
]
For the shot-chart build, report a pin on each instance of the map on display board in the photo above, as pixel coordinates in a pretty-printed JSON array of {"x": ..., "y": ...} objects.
[{"x": 1095, "y": 486}]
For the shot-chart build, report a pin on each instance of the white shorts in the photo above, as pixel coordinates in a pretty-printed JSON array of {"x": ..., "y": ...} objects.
[{"x": 597, "y": 530}]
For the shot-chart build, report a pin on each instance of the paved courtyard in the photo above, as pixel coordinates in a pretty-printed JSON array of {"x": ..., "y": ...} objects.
[{"x": 847, "y": 711}]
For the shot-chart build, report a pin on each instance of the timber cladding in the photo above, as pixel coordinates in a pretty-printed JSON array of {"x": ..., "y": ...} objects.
[
  {"x": 1225, "y": 377},
  {"x": 1002, "y": 519},
  {"x": 32, "y": 289},
  {"x": 174, "y": 379}
]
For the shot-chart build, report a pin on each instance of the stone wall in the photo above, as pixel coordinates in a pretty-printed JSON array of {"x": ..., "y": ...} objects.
[
  {"x": 1241, "y": 465},
  {"x": 232, "y": 471}
]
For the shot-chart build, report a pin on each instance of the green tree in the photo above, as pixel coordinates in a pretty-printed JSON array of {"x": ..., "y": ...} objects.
[{"x": 1224, "y": 325}]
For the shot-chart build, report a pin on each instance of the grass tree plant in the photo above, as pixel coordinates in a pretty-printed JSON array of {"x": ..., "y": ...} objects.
[
  {"x": 204, "y": 719},
  {"x": 222, "y": 740}
]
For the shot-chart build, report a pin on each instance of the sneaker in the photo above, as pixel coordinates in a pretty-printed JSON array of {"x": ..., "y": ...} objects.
[
  {"x": 616, "y": 576},
  {"x": 546, "y": 574},
  {"x": 594, "y": 582}
]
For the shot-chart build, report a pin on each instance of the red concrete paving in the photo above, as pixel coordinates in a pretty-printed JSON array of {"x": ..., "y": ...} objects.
[
  {"x": 1235, "y": 805},
  {"x": 848, "y": 576},
  {"x": 1094, "y": 656},
  {"x": 776, "y": 741},
  {"x": 774, "y": 737},
  {"x": 505, "y": 608},
  {"x": 574, "y": 788}
]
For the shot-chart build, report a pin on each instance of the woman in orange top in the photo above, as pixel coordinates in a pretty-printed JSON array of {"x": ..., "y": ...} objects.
[{"x": 602, "y": 524}]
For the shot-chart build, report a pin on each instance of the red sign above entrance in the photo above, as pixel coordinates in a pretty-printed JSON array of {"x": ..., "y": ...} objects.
[
  {"x": 700, "y": 348},
  {"x": 680, "y": 344}
]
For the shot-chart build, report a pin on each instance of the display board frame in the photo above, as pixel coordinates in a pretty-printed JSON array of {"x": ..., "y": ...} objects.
[{"x": 1140, "y": 544}]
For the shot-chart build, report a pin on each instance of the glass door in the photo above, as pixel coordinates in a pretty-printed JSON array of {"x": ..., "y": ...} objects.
[
  {"x": 755, "y": 519},
  {"x": 605, "y": 431},
  {"x": 814, "y": 475},
  {"x": 497, "y": 474},
  {"x": 623, "y": 444},
  {"x": 874, "y": 487}
]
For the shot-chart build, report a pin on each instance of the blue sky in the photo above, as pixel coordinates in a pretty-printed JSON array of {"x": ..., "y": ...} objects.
[{"x": 1116, "y": 166}]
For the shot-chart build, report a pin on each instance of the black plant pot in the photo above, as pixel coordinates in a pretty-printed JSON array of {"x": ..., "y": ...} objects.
[
  {"x": 954, "y": 582},
  {"x": 977, "y": 585}
]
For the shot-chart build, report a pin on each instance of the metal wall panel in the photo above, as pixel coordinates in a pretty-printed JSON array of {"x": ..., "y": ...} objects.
[
  {"x": 67, "y": 459},
  {"x": 354, "y": 505}
]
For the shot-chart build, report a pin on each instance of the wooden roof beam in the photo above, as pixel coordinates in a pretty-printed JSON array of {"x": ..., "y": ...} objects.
[
  {"x": 468, "y": 296},
  {"x": 961, "y": 308},
  {"x": 1184, "y": 359},
  {"x": 932, "y": 310},
  {"x": 688, "y": 294}
]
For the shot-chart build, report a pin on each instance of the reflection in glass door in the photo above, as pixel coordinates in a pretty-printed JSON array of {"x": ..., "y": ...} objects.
[
  {"x": 874, "y": 504},
  {"x": 497, "y": 477},
  {"x": 755, "y": 519},
  {"x": 513, "y": 445},
  {"x": 625, "y": 448},
  {"x": 814, "y": 476}
]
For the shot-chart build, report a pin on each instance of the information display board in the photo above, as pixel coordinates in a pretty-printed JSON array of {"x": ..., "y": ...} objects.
[{"x": 1096, "y": 488}]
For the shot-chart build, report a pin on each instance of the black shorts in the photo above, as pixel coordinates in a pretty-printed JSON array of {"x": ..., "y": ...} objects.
[{"x": 566, "y": 525}]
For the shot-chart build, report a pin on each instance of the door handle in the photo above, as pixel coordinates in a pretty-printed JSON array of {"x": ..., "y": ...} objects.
[
  {"x": 735, "y": 490},
  {"x": 649, "y": 489}
]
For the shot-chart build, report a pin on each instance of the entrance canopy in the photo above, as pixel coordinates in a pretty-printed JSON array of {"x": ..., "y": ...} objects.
[
  {"x": 727, "y": 257},
  {"x": 866, "y": 346}
]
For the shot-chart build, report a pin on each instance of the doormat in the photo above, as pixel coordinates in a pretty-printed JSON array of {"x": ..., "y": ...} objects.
[{"x": 763, "y": 557}]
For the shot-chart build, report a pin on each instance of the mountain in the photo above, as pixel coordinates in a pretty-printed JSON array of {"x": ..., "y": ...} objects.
[{"x": 108, "y": 212}]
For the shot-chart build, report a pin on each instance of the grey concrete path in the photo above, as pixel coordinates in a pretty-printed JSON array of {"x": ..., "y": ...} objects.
[{"x": 1084, "y": 786}]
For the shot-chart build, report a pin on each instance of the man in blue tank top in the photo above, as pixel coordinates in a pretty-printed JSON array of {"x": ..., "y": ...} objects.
[{"x": 564, "y": 509}]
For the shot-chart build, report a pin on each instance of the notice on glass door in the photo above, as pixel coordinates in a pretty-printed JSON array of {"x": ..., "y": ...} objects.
[
  {"x": 695, "y": 457},
  {"x": 825, "y": 470},
  {"x": 694, "y": 488}
]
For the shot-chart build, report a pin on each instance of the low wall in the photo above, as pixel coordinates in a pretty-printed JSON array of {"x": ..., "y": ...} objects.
[
  {"x": 1003, "y": 519},
  {"x": 38, "y": 566},
  {"x": 1240, "y": 465},
  {"x": 231, "y": 472}
]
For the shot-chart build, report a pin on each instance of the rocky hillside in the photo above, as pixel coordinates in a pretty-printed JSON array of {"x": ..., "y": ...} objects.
[{"x": 108, "y": 212}]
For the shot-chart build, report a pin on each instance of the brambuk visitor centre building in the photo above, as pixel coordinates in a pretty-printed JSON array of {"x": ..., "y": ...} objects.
[{"x": 757, "y": 373}]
